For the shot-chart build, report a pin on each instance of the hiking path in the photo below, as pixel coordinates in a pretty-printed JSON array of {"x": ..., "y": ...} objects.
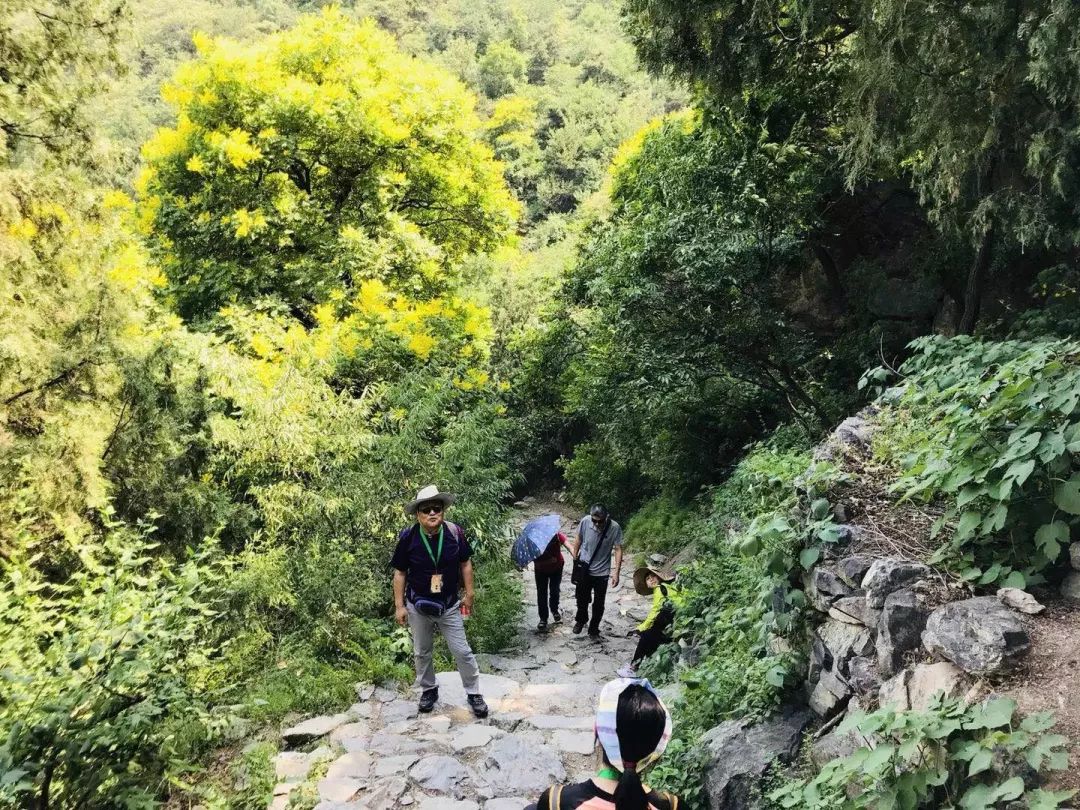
[{"x": 380, "y": 753}]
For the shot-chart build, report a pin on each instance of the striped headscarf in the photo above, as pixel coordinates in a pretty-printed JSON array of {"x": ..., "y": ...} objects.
[{"x": 606, "y": 711}]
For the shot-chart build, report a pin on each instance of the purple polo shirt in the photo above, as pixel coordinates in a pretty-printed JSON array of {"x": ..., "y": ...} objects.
[{"x": 411, "y": 558}]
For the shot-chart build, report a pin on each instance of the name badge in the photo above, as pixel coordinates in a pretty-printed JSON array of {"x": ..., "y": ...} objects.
[{"x": 436, "y": 583}]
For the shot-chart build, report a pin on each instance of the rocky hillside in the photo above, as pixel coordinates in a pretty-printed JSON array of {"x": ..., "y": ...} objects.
[{"x": 891, "y": 633}]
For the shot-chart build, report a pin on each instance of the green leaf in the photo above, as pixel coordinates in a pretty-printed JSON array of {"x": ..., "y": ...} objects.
[
  {"x": 995, "y": 713},
  {"x": 878, "y": 757},
  {"x": 830, "y": 534},
  {"x": 1015, "y": 579},
  {"x": 1009, "y": 790},
  {"x": 776, "y": 675},
  {"x": 1040, "y": 721},
  {"x": 1019, "y": 471},
  {"x": 995, "y": 519},
  {"x": 819, "y": 508},
  {"x": 1067, "y": 495},
  {"x": 980, "y": 762},
  {"x": 809, "y": 556},
  {"x": 967, "y": 524},
  {"x": 1050, "y": 537},
  {"x": 976, "y": 798}
]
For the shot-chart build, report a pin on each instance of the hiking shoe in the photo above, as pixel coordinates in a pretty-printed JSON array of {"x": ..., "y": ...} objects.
[
  {"x": 427, "y": 700},
  {"x": 479, "y": 708},
  {"x": 577, "y": 627},
  {"x": 626, "y": 671},
  {"x": 556, "y": 618},
  {"x": 594, "y": 634},
  {"x": 542, "y": 627}
]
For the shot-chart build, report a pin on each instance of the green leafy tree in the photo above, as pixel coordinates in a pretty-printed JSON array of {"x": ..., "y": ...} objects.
[
  {"x": 502, "y": 69},
  {"x": 311, "y": 161},
  {"x": 685, "y": 288},
  {"x": 52, "y": 53},
  {"x": 974, "y": 104}
]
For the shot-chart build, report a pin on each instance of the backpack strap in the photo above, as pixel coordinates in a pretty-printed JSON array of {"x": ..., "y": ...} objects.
[
  {"x": 457, "y": 531},
  {"x": 555, "y": 800}
]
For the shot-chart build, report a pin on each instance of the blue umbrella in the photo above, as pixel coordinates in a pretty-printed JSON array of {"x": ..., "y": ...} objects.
[{"x": 534, "y": 539}]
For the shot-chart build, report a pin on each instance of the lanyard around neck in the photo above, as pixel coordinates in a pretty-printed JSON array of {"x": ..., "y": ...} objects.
[{"x": 423, "y": 538}]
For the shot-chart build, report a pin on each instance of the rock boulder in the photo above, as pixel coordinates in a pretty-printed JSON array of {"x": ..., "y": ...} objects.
[
  {"x": 842, "y": 641},
  {"x": 915, "y": 687},
  {"x": 903, "y": 619},
  {"x": 1070, "y": 588},
  {"x": 980, "y": 635},
  {"x": 1020, "y": 600},
  {"x": 888, "y": 575},
  {"x": 851, "y": 570},
  {"x": 863, "y": 675},
  {"x": 824, "y": 586},
  {"x": 740, "y": 753},
  {"x": 521, "y": 763}
]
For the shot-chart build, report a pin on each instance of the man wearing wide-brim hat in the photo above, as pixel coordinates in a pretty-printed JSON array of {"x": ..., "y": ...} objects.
[
  {"x": 656, "y": 629},
  {"x": 432, "y": 564}
]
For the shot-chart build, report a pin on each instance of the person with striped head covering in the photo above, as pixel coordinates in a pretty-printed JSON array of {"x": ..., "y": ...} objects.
[{"x": 633, "y": 728}]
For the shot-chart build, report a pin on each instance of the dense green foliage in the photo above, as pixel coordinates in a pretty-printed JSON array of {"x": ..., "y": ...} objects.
[
  {"x": 950, "y": 755},
  {"x": 272, "y": 440},
  {"x": 741, "y": 609},
  {"x": 998, "y": 447}
]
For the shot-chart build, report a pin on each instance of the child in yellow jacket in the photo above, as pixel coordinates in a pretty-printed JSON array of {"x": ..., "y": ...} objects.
[{"x": 656, "y": 629}]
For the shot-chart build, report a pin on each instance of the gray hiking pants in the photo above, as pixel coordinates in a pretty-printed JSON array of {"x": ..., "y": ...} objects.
[{"x": 452, "y": 627}]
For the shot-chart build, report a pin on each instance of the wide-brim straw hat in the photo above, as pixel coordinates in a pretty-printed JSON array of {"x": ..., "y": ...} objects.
[
  {"x": 639, "y": 579},
  {"x": 428, "y": 494}
]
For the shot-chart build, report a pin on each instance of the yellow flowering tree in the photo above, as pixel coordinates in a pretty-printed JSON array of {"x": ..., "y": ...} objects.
[{"x": 312, "y": 161}]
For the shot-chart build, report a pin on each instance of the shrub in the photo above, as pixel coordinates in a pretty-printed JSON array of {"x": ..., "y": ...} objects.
[
  {"x": 948, "y": 756},
  {"x": 992, "y": 429},
  {"x": 662, "y": 524},
  {"x": 100, "y": 674}
]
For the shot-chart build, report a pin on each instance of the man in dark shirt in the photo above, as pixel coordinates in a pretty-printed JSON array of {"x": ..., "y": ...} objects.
[{"x": 432, "y": 561}]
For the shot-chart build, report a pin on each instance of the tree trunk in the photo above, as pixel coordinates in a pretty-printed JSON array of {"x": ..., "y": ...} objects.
[{"x": 974, "y": 287}]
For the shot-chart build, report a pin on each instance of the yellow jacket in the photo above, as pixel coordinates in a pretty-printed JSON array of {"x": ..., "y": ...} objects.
[{"x": 664, "y": 591}]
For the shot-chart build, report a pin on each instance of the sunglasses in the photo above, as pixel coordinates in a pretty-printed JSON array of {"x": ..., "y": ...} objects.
[{"x": 430, "y": 509}]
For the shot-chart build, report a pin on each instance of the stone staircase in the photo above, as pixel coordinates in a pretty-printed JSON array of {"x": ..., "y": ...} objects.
[{"x": 380, "y": 753}]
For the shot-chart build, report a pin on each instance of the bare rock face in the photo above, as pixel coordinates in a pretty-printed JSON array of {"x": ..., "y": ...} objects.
[
  {"x": 980, "y": 635},
  {"x": 312, "y": 729},
  {"x": 852, "y": 570},
  {"x": 1070, "y": 588},
  {"x": 824, "y": 587},
  {"x": 842, "y": 641},
  {"x": 854, "y": 431},
  {"x": 1020, "y": 600},
  {"x": 888, "y": 575},
  {"x": 521, "y": 763},
  {"x": 863, "y": 676},
  {"x": 830, "y": 694},
  {"x": 1074, "y": 556},
  {"x": 740, "y": 753},
  {"x": 915, "y": 687},
  {"x": 900, "y": 628},
  {"x": 849, "y": 609}
]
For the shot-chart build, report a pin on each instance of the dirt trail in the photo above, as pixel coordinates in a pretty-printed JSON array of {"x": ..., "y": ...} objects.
[{"x": 381, "y": 754}]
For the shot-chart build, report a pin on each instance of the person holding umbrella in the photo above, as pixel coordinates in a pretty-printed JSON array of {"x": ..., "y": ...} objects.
[
  {"x": 539, "y": 543},
  {"x": 548, "y": 569}
]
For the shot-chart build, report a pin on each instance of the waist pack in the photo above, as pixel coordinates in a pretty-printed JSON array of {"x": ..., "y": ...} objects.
[{"x": 429, "y": 607}]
